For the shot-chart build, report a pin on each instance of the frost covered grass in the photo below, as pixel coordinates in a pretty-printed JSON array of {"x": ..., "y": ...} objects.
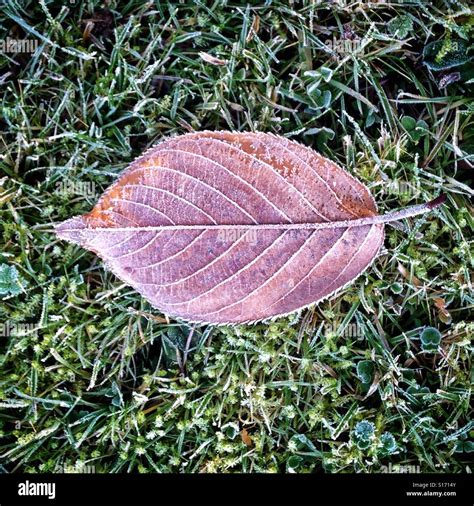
[{"x": 376, "y": 379}]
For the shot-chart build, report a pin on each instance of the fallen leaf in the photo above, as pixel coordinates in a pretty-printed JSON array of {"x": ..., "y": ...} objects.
[
  {"x": 254, "y": 28},
  {"x": 245, "y": 437},
  {"x": 443, "y": 313},
  {"x": 447, "y": 79},
  {"x": 227, "y": 228},
  {"x": 412, "y": 279},
  {"x": 208, "y": 58}
]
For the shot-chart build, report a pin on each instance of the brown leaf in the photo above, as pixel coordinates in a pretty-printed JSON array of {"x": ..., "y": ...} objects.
[
  {"x": 245, "y": 437},
  {"x": 213, "y": 60},
  {"x": 443, "y": 313},
  {"x": 411, "y": 278},
  {"x": 226, "y": 227},
  {"x": 254, "y": 28},
  {"x": 100, "y": 24}
]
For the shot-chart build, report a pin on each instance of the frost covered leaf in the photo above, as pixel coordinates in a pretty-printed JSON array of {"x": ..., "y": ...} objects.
[
  {"x": 226, "y": 227},
  {"x": 430, "y": 339},
  {"x": 11, "y": 283},
  {"x": 446, "y": 54},
  {"x": 400, "y": 26},
  {"x": 365, "y": 371}
]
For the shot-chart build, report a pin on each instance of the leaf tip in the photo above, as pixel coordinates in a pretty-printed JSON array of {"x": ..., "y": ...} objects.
[{"x": 71, "y": 230}]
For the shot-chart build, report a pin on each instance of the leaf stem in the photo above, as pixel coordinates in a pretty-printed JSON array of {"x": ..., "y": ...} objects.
[{"x": 407, "y": 212}]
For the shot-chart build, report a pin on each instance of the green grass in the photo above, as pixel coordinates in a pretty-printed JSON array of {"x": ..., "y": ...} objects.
[{"x": 91, "y": 375}]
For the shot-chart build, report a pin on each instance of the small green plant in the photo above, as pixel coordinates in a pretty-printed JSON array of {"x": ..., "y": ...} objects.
[
  {"x": 294, "y": 462},
  {"x": 400, "y": 26},
  {"x": 301, "y": 443},
  {"x": 365, "y": 371},
  {"x": 11, "y": 283},
  {"x": 417, "y": 395},
  {"x": 363, "y": 434},
  {"x": 446, "y": 54},
  {"x": 430, "y": 339},
  {"x": 387, "y": 444},
  {"x": 231, "y": 430},
  {"x": 397, "y": 288},
  {"x": 366, "y": 437},
  {"x": 464, "y": 446},
  {"x": 417, "y": 389},
  {"x": 415, "y": 129}
]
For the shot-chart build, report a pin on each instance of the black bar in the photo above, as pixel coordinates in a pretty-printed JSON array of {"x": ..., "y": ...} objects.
[{"x": 239, "y": 489}]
